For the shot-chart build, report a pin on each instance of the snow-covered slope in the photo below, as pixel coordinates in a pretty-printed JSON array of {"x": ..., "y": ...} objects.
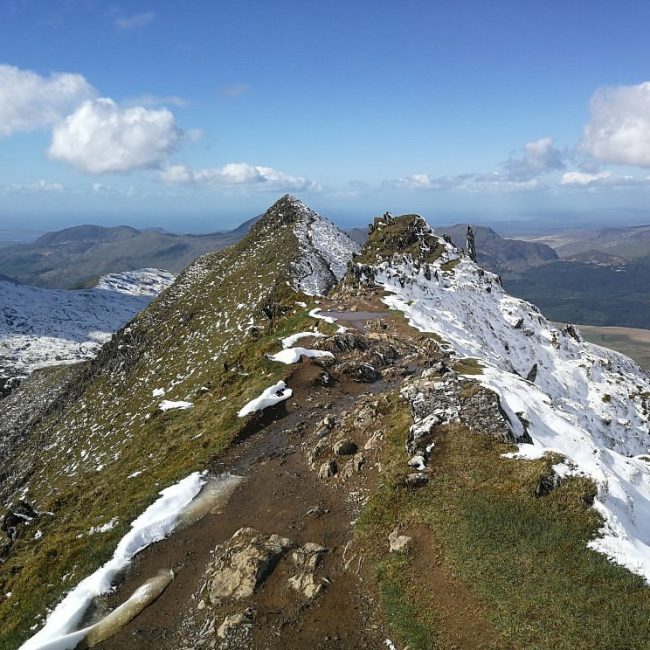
[
  {"x": 586, "y": 402},
  {"x": 42, "y": 327},
  {"x": 324, "y": 250}
]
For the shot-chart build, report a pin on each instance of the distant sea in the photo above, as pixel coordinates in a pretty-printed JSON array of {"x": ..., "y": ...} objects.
[{"x": 9, "y": 237}]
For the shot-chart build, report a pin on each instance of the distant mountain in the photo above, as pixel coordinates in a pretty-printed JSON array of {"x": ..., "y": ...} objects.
[
  {"x": 76, "y": 257},
  {"x": 628, "y": 243},
  {"x": 359, "y": 235},
  {"x": 499, "y": 254},
  {"x": 43, "y": 327}
]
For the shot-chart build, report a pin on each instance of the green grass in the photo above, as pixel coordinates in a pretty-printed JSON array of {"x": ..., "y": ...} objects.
[
  {"x": 524, "y": 558},
  {"x": 411, "y": 623},
  {"x": 450, "y": 265},
  {"x": 468, "y": 366}
]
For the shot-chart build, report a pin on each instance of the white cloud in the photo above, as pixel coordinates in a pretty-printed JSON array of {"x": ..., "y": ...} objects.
[
  {"x": 472, "y": 183},
  {"x": 39, "y": 187},
  {"x": 134, "y": 21},
  {"x": 610, "y": 180},
  {"x": 237, "y": 174},
  {"x": 29, "y": 101},
  {"x": 536, "y": 158},
  {"x": 619, "y": 130},
  {"x": 100, "y": 137}
]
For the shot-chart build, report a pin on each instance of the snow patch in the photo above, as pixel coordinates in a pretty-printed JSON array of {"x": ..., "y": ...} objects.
[
  {"x": 292, "y": 355},
  {"x": 154, "y": 524},
  {"x": 324, "y": 252},
  {"x": 45, "y": 327},
  {"x": 168, "y": 405},
  {"x": 270, "y": 397},
  {"x": 290, "y": 341}
]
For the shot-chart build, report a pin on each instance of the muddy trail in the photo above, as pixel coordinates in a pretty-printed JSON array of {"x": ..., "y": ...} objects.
[{"x": 294, "y": 487}]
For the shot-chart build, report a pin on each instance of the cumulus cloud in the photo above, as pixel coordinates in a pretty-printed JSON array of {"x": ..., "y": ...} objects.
[
  {"x": 237, "y": 174},
  {"x": 29, "y": 101},
  {"x": 536, "y": 158},
  {"x": 100, "y": 137},
  {"x": 619, "y": 130},
  {"x": 135, "y": 20}
]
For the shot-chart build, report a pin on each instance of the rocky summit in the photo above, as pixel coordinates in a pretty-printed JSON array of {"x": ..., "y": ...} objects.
[{"x": 302, "y": 443}]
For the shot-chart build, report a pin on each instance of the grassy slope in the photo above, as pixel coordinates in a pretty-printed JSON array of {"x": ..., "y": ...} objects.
[
  {"x": 85, "y": 454},
  {"x": 524, "y": 558}
]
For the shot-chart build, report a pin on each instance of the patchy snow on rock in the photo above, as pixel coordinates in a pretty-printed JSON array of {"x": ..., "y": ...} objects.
[
  {"x": 583, "y": 401},
  {"x": 44, "y": 327},
  {"x": 324, "y": 251},
  {"x": 157, "y": 392},
  {"x": 290, "y": 341},
  {"x": 169, "y": 405},
  {"x": 292, "y": 355},
  {"x": 143, "y": 282},
  {"x": 270, "y": 397},
  {"x": 154, "y": 524}
]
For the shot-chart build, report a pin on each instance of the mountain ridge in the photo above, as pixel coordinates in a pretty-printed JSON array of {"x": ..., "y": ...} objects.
[
  {"x": 75, "y": 257},
  {"x": 400, "y": 417}
]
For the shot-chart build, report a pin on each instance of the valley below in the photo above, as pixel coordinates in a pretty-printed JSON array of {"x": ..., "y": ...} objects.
[{"x": 634, "y": 343}]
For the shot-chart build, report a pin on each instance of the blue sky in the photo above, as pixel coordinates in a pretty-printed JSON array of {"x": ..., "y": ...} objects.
[{"x": 197, "y": 115}]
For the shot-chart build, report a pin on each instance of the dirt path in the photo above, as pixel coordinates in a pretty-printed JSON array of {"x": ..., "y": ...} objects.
[
  {"x": 283, "y": 494},
  {"x": 279, "y": 490}
]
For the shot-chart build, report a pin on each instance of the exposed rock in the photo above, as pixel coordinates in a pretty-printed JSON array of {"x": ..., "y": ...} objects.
[
  {"x": 353, "y": 466},
  {"x": 308, "y": 557},
  {"x": 416, "y": 480},
  {"x": 318, "y": 450},
  {"x": 236, "y": 629},
  {"x": 361, "y": 372},
  {"x": 570, "y": 330},
  {"x": 327, "y": 469},
  {"x": 342, "y": 342},
  {"x": 316, "y": 512},
  {"x": 532, "y": 374},
  {"x": 243, "y": 563},
  {"x": 345, "y": 448},
  {"x": 471, "y": 244},
  {"x": 399, "y": 543},
  {"x": 22, "y": 514}
]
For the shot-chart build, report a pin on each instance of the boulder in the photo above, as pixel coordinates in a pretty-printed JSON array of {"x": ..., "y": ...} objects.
[
  {"x": 243, "y": 563},
  {"x": 327, "y": 469},
  {"x": 399, "y": 543}
]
